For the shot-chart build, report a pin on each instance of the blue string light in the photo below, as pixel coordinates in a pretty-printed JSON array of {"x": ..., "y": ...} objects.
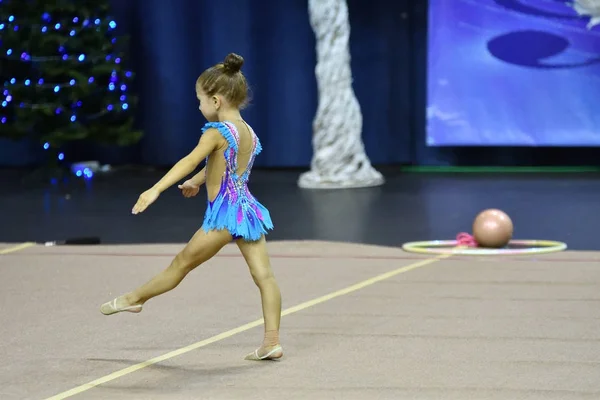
[{"x": 69, "y": 28}]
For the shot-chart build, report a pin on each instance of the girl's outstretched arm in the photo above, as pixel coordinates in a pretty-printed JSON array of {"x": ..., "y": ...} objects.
[{"x": 209, "y": 142}]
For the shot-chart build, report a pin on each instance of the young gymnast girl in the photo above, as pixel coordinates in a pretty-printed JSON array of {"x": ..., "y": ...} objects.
[{"x": 229, "y": 146}]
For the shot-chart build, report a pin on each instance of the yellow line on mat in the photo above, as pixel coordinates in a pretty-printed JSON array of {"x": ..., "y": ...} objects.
[
  {"x": 17, "y": 248},
  {"x": 235, "y": 331}
]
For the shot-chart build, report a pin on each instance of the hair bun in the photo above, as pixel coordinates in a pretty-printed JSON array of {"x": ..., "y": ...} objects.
[{"x": 233, "y": 62}]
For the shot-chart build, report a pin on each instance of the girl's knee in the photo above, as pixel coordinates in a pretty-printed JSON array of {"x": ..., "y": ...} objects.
[
  {"x": 185, "y": 261},
  {"x": 263, "y": 276}
]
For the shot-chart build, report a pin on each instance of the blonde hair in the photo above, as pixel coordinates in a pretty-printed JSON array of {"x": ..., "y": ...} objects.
[{"x": 227, "y": 80}]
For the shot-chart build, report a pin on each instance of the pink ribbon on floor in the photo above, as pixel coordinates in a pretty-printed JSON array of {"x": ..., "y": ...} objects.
[{"x": 466, "y": 239}]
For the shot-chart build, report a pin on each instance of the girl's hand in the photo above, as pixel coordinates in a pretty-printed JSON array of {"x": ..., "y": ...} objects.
[
  {"x": 146, "y": 198},
  {"x": 189, "y": 188}
]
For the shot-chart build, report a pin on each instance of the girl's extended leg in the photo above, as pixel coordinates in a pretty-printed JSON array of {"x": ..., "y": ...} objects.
[
  {"x": 255, "y": 254},
  {"x": 201, "y": 247}
]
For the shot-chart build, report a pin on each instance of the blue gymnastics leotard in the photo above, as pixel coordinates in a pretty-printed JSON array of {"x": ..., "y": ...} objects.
[{"x": 234, "y": 208}]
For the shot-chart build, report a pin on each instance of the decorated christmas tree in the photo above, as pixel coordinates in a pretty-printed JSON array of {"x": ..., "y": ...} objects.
[{"x": 62, "y": 74}]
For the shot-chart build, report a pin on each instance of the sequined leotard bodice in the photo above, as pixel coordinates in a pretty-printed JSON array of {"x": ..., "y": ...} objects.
[{"x": 234, "y": 208}]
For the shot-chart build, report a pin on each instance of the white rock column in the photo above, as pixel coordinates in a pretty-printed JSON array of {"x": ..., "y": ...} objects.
[
  {"x": 339, "y": 158},
  {"x": 589, "y": 8}
]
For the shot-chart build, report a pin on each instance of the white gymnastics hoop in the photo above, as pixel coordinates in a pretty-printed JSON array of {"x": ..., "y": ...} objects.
[{"x": 453, "y": 247}]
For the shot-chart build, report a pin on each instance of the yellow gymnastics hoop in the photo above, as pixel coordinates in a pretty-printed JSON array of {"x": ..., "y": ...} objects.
[{"x": 452, "y": 247}]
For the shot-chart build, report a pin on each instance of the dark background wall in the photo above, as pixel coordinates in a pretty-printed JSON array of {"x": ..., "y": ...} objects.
[{"x": 173, "y": 41}]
